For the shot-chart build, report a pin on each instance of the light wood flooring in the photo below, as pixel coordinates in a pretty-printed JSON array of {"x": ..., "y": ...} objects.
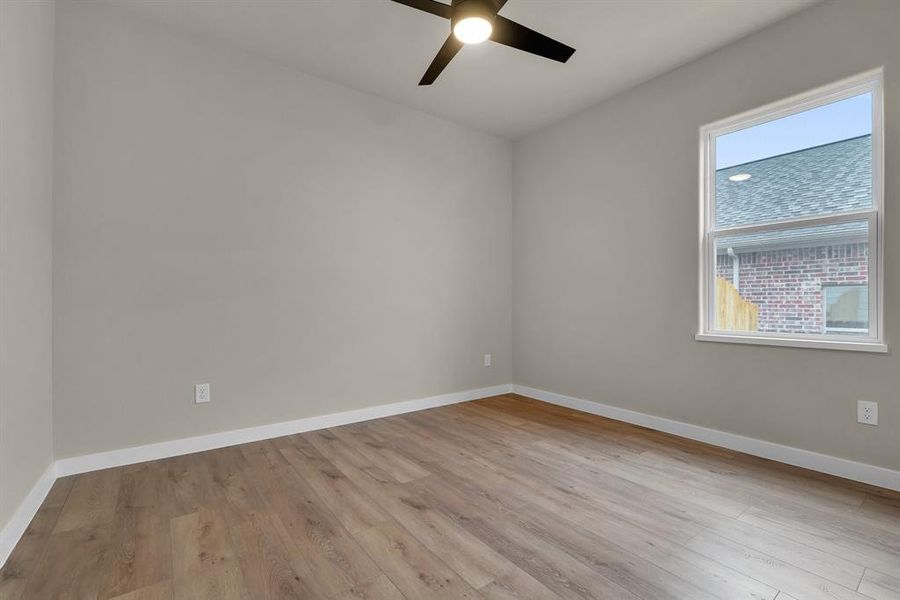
[{"x": 500, "y": 498}]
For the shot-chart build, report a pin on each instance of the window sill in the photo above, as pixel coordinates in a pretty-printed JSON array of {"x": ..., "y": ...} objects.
[{"x": 793, "y": 342}]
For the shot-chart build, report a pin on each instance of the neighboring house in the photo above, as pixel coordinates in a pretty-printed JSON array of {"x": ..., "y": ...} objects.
[{"x": 797, "y": 276}]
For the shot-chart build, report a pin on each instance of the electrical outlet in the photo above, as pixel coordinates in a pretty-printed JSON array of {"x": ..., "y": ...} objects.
[
  {"x": 201, "y": 393},
  {"x": 867, "y": 412},
  {"x": 487, "y": 360}
]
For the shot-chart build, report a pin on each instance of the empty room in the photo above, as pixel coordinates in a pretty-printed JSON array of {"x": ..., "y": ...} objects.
[{"x": 440, "y": 299}]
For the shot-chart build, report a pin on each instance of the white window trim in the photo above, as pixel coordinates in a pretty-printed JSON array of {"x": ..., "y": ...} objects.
[{"x": 870, "y": 81}]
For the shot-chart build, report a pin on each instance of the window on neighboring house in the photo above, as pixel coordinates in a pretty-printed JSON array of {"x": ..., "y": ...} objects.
[
  {"x": 791, "y": 227},
  {"x": 846, "y": 309}
]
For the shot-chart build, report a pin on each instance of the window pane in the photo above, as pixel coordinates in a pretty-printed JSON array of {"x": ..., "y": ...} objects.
[
  {"x": 808, "y": 164},
  {"x": 795, "y": 281}
]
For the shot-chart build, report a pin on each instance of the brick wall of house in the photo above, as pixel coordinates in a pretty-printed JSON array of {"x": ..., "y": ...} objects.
[{"x": 787, "y": 284}]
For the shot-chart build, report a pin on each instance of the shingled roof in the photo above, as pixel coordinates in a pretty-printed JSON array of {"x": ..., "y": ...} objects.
[{"x": 834, "y": 177}]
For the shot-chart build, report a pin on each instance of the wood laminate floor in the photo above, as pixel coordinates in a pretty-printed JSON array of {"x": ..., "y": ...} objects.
[{"x": 500, "y": 498}]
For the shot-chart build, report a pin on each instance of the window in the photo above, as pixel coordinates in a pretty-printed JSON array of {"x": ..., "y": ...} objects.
[
  {"x": 791, "y": 230},
  {"x": 846, "y": 309}
]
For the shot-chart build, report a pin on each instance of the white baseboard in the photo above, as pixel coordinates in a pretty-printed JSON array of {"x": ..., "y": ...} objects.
[
  {"x": 814, "y": 461},
  {"x": 137, "y": 454},
  {"x": 18, "y": 523}
]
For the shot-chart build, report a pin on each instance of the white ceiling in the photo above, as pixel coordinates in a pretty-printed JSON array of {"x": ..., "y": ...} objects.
[{"x": 381, "y": 47}]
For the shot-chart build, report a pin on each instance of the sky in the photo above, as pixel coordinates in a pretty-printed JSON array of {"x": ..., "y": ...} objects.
[{"x": 829, "y": 123}]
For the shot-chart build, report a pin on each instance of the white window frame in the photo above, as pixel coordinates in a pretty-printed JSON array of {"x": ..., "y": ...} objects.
[{"x": 868, "y": 82}]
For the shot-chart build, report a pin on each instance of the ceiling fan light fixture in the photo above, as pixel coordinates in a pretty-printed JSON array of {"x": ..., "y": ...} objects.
[
  {"x": 473, "y": 30},
  {"x": 472, "y": 20}
]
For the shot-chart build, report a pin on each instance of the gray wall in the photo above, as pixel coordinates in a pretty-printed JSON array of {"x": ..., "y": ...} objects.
[
  {"x": 302, "y": 247},
  {"x": 605, "y": 249},
  {"x": 26, "y": 155}
]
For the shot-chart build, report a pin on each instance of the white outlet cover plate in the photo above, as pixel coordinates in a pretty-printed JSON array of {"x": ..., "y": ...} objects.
[
  {"x": 867, "y": 412},
  {"x": 201, "y": 393},
  {"x": 487, "y": 360}
]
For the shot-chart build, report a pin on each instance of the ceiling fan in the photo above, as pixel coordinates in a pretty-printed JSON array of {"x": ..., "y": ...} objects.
[{"x": 474, "y": 21}]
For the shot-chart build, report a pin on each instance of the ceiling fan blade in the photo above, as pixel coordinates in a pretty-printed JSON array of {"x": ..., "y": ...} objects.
[
  {"x": 512, "y": 34},
  {"x": 430, "y": 6},
  {"x": 444, "y": 55}
]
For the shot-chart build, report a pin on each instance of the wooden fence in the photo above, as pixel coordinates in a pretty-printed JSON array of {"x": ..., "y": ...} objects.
[{"x": 733, "y": 313}]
